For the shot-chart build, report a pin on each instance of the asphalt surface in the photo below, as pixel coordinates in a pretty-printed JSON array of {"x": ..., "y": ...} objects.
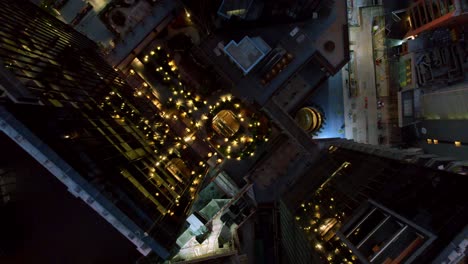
[{"x": 363, "y": 127}]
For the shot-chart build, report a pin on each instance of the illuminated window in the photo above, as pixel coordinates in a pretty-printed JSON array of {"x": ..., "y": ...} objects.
[
  {"x": 429, "y": 141},
  {"x": 457, "y": 144},
  {"x": 436, "y": 141}
]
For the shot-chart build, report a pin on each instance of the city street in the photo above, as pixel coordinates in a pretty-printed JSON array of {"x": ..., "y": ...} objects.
[{"x": 361, "y": 110}]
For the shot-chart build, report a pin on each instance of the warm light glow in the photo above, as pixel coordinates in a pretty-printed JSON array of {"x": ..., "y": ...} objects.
[
  {"x": 457, "y": 144},
  {"x": 436, "y": 141},
  {"x": 429, "y": 141}
]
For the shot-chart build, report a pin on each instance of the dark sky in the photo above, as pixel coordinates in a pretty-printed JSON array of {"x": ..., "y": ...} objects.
[{"x": 49, "y": 225}]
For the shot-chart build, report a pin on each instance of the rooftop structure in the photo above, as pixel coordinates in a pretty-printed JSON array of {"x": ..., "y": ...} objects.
[
  {"x": 247, "y": 53},
  {"x": 424, "y": 15},
  {"x": 351, "y": 216}
]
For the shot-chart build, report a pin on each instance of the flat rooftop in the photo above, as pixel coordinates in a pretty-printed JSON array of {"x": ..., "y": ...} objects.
[{"x": 247, "y": 53}]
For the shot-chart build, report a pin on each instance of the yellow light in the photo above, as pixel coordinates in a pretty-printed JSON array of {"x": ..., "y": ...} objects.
[
  {"x": 210, "y": 154},
  {"x": 132, "y": 71},
  {"x": 152, "y": 52},
  {"x": 436, "y": 141},
  {"x": 157, "y": 194},
  {"x": 158, "y": 47},
  {"x": 238, "y": 158},
  {"x": 145, "y": 84},
  {"x": 457, "y": 144},
  {"x": 226, "y": 140},
  {"x": 220, "y": 160},
  {"x": 429, "y": 141}
]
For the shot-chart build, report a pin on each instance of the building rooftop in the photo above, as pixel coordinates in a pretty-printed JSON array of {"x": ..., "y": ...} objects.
[{"x": 247, "y": 53}]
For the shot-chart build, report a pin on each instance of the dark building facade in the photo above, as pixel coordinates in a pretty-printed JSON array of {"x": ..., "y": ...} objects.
[
  {"x": 63, "y": 104},
  {"x": 375, "y": 205}
]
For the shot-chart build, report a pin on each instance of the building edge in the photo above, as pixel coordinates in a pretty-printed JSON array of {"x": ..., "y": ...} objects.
[{"x": 77, "y": 185}]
